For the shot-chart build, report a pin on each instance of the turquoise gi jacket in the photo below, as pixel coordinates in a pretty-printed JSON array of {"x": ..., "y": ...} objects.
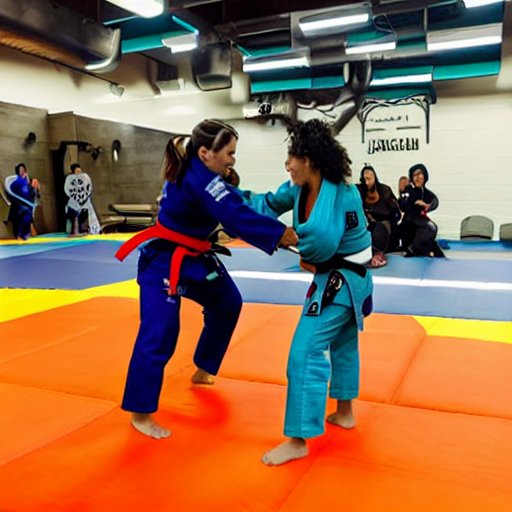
[{"x": 336, "y": 225}]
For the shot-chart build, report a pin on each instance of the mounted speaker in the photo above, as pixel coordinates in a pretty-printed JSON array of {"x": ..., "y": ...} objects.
[
  {"x": 167, "y": 78},
  {"x": 211, "y": 66}
]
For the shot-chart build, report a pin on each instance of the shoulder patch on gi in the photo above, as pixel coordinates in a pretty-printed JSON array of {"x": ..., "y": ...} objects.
[
  {"x": 351, "y": 220},
  {"x": 313, "y": 309},
  {"x": 217, "y": 188}
]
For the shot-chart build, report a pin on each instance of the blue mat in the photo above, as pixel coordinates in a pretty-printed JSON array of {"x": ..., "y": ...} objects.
[
  {"x": 474, "y": 289},
  {"x": 479, "y": 289},
  {"x": 73, "y": 267},
  {"x": 475, "y": 245},
  {"x": 8, "y": 250}
]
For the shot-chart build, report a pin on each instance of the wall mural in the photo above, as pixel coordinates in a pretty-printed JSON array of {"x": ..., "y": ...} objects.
[{"x": 395, "y": 125}]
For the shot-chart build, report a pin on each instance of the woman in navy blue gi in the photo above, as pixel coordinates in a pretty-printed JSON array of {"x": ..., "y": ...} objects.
[
  {"x": 335, "y": 245},
  {"x": 23, "y": 193},
  {"x": 179, "y": 262}
]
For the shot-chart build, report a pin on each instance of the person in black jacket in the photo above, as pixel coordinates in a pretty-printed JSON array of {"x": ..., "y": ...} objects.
[
  {"x": 417, "y": 231},
  {"x": 382, "y": 212}
]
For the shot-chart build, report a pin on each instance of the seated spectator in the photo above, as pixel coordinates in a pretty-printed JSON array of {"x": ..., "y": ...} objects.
[
  {"x": 417, "y": 231},
  {"x": 403, "y": 181},
  {"x": 382, "y": 212}
]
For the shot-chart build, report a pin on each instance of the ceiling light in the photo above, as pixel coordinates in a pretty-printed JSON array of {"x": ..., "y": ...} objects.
[
  {"x": 181, "y": 43},
  {"x": 371, "y": 48},
  {"x": 467, "y": 37},
  {"x": 479, "y": 3},
  {"x": 144, "y": 8},
  {"x": 330, "y": 21},
  {"x": 401, "y": 80},
  {"x": 287, "y": 60},
  {"x": 371, "y": 41}
]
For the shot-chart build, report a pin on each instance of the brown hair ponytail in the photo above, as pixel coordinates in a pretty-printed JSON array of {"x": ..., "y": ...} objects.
[
  {"x": 174, "y": 158},
  {"x": 210, "y": 133}
]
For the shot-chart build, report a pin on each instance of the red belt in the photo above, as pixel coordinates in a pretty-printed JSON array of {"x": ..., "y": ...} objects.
[{"x": 186, "y": 245}]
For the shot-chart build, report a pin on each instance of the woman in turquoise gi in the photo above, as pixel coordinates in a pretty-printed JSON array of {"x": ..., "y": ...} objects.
[
  {"x": 179, "y": 262},
  {"x": 334, "y": 244}
]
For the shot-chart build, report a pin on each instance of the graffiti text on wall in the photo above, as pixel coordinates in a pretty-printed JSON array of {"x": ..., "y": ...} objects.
[{"x": 405, "y": 144}]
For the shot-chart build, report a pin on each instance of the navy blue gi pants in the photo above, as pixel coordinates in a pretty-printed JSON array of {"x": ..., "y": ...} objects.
[
  {"x": 21, "y": 218},
  {"x": 160, "y": 322}
]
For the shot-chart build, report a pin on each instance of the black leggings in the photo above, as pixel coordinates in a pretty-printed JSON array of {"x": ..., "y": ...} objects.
[
  {"x": 419, "y": 235},
  {"x": 381, "y": 235}
]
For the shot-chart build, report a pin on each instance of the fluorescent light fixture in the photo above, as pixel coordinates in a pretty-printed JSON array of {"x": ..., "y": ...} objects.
[
  {"x": 402, "y": 80},
  {"x": 340, "y": 21},
  {"x": 144, "y": 8},
  {"x": 370, "y": 41},
  {"x": 280, "y": 61},
  {"x": 479, "y": 3},
  {"x": 467, "y": 37},
  {"x": 371, "y": 48},
  {"x": 330, "y": 21},
  {"x": 182, "y": 43}
]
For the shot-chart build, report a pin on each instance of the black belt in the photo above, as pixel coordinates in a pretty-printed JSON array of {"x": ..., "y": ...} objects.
[{"x": 338, "y": 261}]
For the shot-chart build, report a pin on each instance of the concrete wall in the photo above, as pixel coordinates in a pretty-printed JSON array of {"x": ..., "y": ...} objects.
[
  {"x": 134, "y": 178},
  {"x": 15, "y": 124}
]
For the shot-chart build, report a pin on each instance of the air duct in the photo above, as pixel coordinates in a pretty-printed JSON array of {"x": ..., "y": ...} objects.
[{"x": 52, "y": 32}]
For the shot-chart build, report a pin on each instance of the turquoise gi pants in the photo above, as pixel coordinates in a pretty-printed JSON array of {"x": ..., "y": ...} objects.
[{"x": 324, "y": 348}]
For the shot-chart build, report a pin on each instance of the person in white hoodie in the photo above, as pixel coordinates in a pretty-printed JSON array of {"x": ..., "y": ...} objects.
[{"x": 79, "y": 209}]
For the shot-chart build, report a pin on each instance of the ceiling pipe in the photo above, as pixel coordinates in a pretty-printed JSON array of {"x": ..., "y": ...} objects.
[
  {"x": 352, "y": 94},
  {"x": 57, "y": 33}
]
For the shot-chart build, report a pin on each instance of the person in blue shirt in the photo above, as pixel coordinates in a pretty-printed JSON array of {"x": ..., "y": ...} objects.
[
  {"x": 22, "y": 192},
  {"x": 335, "y": 245},
  {"x": 179, "y": 262}
]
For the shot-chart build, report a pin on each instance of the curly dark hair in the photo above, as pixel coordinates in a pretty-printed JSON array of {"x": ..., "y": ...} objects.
[{"x": 315, "y": 140}]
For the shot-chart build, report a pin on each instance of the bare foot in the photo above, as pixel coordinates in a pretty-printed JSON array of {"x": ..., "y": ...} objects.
[
  {"x": 343, "y": 417},
  {"x": 294, "y": 448},
  {"x": 202, "y": 377},
  {"x": 339, "y": 420},
  {"x": 145, "y": 424}
]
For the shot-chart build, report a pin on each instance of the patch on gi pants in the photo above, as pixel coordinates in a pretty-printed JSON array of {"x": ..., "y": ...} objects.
[
  {"x": 313, "y": 309},
  {"x": 351, "y": 220}
]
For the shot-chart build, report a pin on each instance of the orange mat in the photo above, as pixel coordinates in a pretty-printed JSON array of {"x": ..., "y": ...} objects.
[{"x": 434, "y": 421}]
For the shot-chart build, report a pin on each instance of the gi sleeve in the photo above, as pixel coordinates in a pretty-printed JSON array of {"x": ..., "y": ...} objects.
[{"x": 272, "y": 203}]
